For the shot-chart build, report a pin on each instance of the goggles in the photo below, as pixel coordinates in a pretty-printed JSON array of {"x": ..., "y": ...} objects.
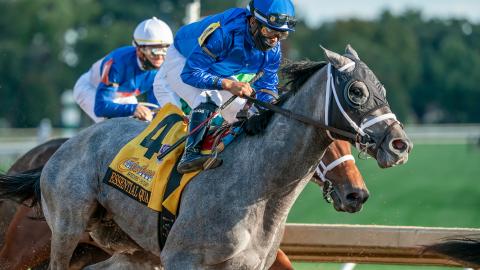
[
  {"x": 270, "y": 33},
  {"x": 155, "y": 50},
  {"x": 280, "y": 20}
]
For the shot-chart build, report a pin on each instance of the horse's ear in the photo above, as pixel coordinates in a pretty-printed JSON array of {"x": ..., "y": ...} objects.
[
  {"x": 337, "y": 60},
  {"x": 349, "y": 50}
]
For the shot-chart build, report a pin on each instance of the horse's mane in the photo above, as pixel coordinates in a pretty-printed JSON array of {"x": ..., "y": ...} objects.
[{"x": 295, "y": 74}]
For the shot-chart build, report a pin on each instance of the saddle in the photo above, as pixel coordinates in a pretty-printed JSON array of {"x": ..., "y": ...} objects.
[{"x": 216, "y": 140}]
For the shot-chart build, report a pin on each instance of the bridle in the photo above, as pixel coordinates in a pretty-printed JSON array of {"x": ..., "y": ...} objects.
[
  {"x": 322, "y": 171},
  {"x": 361, "y": 145},
  {"x": 360, "y": 137}
]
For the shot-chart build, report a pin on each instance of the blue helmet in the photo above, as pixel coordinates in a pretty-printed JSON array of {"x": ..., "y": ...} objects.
[{"x": 275, "y": 14}]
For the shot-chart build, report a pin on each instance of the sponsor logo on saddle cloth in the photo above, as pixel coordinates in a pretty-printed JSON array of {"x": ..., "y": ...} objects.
[{"x": 136, "y": 171}]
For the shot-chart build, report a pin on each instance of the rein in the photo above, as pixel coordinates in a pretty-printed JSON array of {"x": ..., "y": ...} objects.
[
  {"x": 359, "y": 137},
  {"x": 362, "y": 139},
  {"x": 304, "y": 119}
]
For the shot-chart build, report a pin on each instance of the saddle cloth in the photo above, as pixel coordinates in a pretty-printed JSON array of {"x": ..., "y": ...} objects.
[{"x": 138, "y": 173}]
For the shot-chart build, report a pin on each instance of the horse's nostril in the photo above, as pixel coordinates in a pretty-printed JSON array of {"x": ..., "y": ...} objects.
[
  {"x": 357, "y": 197},
  {"x": 399, "y": 144},
  {"x": 353, "y": 196}
]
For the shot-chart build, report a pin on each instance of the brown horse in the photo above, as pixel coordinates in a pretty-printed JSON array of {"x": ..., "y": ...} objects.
[
  {"x": 27, "y": 247},
  {"x": 34, "y": 158},
  {"x": 28, "y": 238},
  {"x": 27, "y": 241}
]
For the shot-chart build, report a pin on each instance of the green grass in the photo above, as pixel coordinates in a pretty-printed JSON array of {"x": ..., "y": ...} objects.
[{"x": 438, "y": 187}]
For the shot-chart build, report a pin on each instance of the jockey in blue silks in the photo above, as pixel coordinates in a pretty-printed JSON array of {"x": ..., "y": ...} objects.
[
  {"x": 110, "y": 87},
  {"x": 205, "y": 56}
]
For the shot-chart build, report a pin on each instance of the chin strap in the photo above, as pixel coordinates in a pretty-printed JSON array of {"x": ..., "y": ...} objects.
[
  {"x": 145, "y": 64},
  {"x": 258, "y": 39}
]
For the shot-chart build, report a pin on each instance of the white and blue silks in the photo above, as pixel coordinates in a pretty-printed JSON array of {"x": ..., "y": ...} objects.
[
  {"x": 110, "y": 87},
  {"x": 219, "y": 46}
]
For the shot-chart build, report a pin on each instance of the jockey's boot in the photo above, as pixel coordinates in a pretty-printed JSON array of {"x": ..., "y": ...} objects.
[{"x": 192, "y": 159}]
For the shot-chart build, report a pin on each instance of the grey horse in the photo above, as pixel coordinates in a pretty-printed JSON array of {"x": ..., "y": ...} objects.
[
  {"x": 340, "y": 179},
  {"x": 231, "y": 217}
]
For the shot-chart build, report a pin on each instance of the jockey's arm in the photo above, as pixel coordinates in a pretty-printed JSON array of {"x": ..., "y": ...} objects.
[
  {"x": 104, "y": 105},
  {"x": 196, "y": 70},
  {"x": 269, "y": 80},
  {"x": 106, "y": 93}
]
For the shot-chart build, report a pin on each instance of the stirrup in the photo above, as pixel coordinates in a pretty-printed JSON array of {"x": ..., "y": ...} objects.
[
  {"x": 212, "y": 162},
  {"x": 191, "y": 165}
]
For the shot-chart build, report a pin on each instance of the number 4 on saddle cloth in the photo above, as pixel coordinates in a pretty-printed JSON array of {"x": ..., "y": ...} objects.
[{"x": 137, "y": 172}]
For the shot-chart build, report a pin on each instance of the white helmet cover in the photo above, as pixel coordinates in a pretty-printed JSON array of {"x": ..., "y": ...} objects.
[{"x": 153, "y": 32}]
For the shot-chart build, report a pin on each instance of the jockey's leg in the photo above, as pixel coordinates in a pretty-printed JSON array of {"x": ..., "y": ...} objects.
[{"x": 192, "y": 159}]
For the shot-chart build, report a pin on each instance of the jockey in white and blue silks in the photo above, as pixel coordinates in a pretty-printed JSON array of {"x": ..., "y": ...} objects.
[
  {"x": 205, "y": 56},
  {"x": 110, "y": 87}
]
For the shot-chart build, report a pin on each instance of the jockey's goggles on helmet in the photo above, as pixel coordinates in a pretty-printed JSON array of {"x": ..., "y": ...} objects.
[
  {"x": 155, "y": 50},
  {"x": 280, "y": 20},
  {"x": 270, "y": 33}
]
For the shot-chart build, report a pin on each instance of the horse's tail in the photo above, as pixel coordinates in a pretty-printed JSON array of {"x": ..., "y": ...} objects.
[
  {"x": 465, "y": 250},
  {"x": 20, "y": 187}
]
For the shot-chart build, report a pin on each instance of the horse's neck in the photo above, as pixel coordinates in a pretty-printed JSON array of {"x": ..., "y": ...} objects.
[
  {"x": 304, "y": 144},
  {"x": 285, "y": 158},
  {"x": 294, "y": 149}
]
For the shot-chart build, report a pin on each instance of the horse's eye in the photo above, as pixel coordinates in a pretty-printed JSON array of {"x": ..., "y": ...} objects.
[{"x": 358, "y": 93}]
